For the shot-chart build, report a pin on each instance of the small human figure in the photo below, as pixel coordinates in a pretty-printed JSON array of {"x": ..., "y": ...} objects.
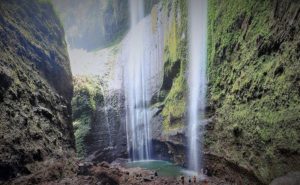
[
  {"x": 194, "y": 179},
  {"x": 190, "y": 180}
]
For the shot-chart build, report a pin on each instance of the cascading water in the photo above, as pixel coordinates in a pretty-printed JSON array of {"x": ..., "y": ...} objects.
[
  {"x": 136, "y": 11},
  {"x": 141, "y": 56},
  {"x": 136, "y": 94},
  {"x": 106, "y": 115},
  {"x": 197, "y": 79}
]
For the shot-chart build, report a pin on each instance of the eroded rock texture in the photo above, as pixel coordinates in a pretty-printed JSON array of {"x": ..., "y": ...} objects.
[
  {"x": 107, "y": 137},
  {"x": 252, "y": 114},
  {"x": 35, "y": 85},
  {"x": 254, "y": 85},
  {"x": 98, "y": 119}
]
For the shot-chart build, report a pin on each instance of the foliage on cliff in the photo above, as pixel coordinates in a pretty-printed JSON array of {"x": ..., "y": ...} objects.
[
  {"x": 173, "y": 91},
  {"x": 254, "y": 84},
  {"x": 87, "y": 94}
]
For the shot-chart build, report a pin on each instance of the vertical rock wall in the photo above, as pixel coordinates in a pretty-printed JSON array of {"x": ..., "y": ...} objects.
[
  {"x": 35, "y": 87},
  {"x": 252, "y": 129},
  {"x": 254, "y": 85},
  {"x": 169, "y": 103}
]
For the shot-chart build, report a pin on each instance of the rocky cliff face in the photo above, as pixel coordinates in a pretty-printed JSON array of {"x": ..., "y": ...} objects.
[
  {"x": 87, "y": 96},
  {"x": 107, "y": 138},
  {"x": 35, "y": 87},
  {"x": 254, "y": 85},
  {"x": 98, "y": 119},
  {"x": 169, "y": 102},
  {"x": 253, "y": 95}
]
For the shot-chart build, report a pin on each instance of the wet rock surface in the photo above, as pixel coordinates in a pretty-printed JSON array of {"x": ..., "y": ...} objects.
[
  {"x": 99, "y": 119},
  {"x": 35, "y": 88},
  {"x": 107, "y": 139},
  {"x": 253, "y": 64}
]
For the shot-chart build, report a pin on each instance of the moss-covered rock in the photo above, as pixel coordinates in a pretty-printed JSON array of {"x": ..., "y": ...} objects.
[
  {"x": 87, "y": 95},
  {"x": 98, "y": 119},
  {"x": 254, "y": 84},
  {"x": 35, "y": 86},
  {"x": 172, "y": 96}
]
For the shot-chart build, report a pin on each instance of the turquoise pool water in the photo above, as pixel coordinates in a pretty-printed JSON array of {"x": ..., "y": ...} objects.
[{"x": 163, "y": 168}]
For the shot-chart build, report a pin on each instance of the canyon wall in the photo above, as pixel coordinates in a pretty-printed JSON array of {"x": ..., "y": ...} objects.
[
  {"x": 35, "y": 88},
  {"x": 169, "y": 103},
  {"x": 254, "y": 85},
  {"x": 252, "y": 116},
  {"x": 98, "y": 119}
]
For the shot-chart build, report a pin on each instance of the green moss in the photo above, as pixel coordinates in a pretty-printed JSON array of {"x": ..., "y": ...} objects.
[
  {"x": 82, "y": 128},
  {"x": 175, "y": 104},
  {"x": 87, "y": 95},
  {"x": 172, "y": 43},
  {"x": 154, "y": 19},
  {"x": 175, "y": 61},
  {"x": 254, "y": 91}
]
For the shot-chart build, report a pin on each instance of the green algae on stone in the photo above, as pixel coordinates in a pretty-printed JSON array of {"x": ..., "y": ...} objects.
[
  {"x": 87, "y": 94},
  {"x": 253, "y": 85},
  {"x": 173, "y": 91}
]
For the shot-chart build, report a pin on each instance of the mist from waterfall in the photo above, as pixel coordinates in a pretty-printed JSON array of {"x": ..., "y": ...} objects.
[
  {"x": 197, "y": 80},
  {"x": 107, "y": 116}
]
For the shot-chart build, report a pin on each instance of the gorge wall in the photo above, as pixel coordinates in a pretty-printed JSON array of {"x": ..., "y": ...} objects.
[
  {"x": 252, "y": 117},
  {"x": 253, "y": 97},
  {"x": 35, "y": 88},
  {"x": 254, "y": 85},
  {"x": 169, "y": 102},
  {"x": 98, "y": 119}
]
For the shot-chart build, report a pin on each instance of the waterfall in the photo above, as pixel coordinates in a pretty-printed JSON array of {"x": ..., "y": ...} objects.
[
  {"x": 141, "y": 56},
  {"x": 196, "y": 79},
  {"x": 138, "y": 132},
  {"x": 107, "y": 115},
  {"x": 136, "y": 11}
]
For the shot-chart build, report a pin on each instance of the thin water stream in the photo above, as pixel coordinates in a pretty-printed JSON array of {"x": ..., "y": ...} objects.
[{"x": 196, "y": 79}]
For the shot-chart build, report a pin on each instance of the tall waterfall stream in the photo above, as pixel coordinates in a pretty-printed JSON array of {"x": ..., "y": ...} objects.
[
  {"x": 196, "y": 79},
  {"x": 142, "y": 57}
]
